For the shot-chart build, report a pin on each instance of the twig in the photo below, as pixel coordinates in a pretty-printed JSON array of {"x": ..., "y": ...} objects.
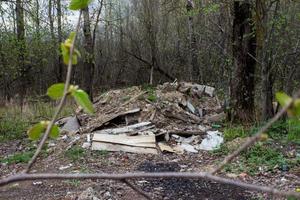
[
  {"x": 254, "y": 138},
  {"x": 121, "y": 177},
  {"x": 138, "y": 190},
  {"x": 59, "y": 107}
]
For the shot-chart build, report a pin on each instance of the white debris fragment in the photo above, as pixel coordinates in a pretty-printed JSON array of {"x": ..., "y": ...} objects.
[
  {"x": 212, "y": 141},
  {"x": 86, "y": 145},
  {"x": 88, "y": 138},
  {"x": 189, "y": 148},
  {"x": 37, "y": 183},
  {"x": 65, "y": 167}
]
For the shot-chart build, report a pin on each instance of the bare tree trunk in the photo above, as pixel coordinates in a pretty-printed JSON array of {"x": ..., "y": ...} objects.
[
  {"x": 265, "y": 44},
  {"x": 22, "y": 48},
  {"x": 88, "y": 61},
  {"x": 60, "y": 73},
  {"x": 193, "y": 50},
  {"x": 244, "y": 49},
  {"x": 53, "y": 42}
]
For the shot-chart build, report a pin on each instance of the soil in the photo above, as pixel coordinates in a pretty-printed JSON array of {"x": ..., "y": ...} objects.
[{"x": 118, "y": 162}]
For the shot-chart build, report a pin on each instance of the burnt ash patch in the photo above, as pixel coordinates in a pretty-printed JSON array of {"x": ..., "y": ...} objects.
[{"x": 186, "y": 189}]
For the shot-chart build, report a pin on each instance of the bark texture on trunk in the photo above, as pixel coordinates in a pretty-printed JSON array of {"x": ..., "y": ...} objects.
[
  {"x": 88, "y": 62},
  {"x": 244, "y": 49}
]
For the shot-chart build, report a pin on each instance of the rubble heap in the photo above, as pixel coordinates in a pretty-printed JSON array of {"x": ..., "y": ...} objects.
[{"x": 175, "y": 117}]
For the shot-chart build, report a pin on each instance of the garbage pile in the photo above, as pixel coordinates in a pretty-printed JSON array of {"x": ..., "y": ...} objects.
[{"x": 173, "y": 117}]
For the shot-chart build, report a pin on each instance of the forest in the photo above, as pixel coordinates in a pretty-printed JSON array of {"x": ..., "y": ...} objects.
[{"x": 173, "y": 72}]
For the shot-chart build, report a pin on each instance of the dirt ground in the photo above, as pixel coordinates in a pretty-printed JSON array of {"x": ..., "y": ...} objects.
[{"x": 93, "y": 162}]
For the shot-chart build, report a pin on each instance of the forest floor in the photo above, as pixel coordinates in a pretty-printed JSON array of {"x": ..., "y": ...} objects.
[{"x": 274, "y": 162}]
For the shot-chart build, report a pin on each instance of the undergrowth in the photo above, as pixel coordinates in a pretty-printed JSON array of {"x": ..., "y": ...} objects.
[
  {"x": 14, "y": 121},
  {"x": 75, "y": 153}
]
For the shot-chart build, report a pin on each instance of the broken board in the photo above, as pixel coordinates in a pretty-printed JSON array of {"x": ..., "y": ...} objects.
[{"x": 144, "y": 144}]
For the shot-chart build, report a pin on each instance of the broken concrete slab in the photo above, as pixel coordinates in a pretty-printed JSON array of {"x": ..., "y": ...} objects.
[
  {"x": 116, "y": 148},
  {"x": 71, "y": 125},
  {"x": 133, "y": 144},
  {"x": 126, "y": 129}
]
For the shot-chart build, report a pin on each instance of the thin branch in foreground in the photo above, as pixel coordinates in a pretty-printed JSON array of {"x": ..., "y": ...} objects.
[
  {"x": 61, "y": 103},
  {"x": 121, "y": 177},
  {"x": 254, "y": 138}
]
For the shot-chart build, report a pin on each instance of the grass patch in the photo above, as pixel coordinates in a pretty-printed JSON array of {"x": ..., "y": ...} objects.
[
  {"x": 23, "y": 157},
  {"x": 103, "y": 153},
  {"x": 231, "y": 133},
  {"x": 75, "y": 153},
  {"x": 223, "y": 150},
  {"x": 151, "y": 92},
  {"x": 14, "y": 121},
  {"x": 12, "y": 127},
  {"x": 259, "y": 156}
]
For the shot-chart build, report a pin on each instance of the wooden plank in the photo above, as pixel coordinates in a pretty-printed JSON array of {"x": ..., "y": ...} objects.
[
  {"x": 125, "y": 129},
  {"x": 136, "y": 141},
  {"x": 124, "y": 148}
]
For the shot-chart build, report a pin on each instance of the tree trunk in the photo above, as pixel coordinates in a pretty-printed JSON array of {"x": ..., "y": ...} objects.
[
  {"x": 193, "y": 50},
  {"x": 21, "y": 49},
  {"x": 244, "y": 49},
  {"x": 60, "y": 73},
  {"x": 88, "y": 61}
]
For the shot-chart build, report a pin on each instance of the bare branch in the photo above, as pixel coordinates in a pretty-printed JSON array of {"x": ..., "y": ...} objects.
[{"x": 122, "y": 177}]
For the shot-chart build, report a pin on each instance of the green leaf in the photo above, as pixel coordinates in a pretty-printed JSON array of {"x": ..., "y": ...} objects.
[
  {"x": 283, "y": 98},
  {"x": 65, "y": 50},
  {"x": 54, "y": 133},
  {"x": 72, "y": 36},
  {"x": 79, "y": 4},
  {"x": 65, "y": 53},
  {"x": 296, "y": 107},
  {"x": 82, "y": 99},
  {"x": 36, "y": 131},
  {"x": 56, "y": 91}
]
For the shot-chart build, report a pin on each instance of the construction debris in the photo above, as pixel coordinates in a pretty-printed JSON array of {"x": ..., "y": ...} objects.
[
  {"x": 133, "y": 144},
  {"x": 212, "y": 141},
  {"x": 176, "y": 117}
]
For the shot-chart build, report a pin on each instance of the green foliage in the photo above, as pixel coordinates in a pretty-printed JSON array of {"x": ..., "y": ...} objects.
[
  {"x": 283, "y": 99},
  {"x": 12, "y": 127},
  {"x": 234, "y": 132},
  {"x": 36, "y": 131},
  {"x": 262, "y": 155},
  {"x": 79, "y": 4},
  {"x": 258, "y": 156},
  {"x": 75, "y": 153},
  {"x": 223, "y": 150},
  {"x": 56, "y": 91},
  {"x": 54, "y": 133},
  {"x": 211, "y": 8},
  {"x": 66, "y": 48},
  {"x": 293, "y": 130},
  {"x": 82, "y": 99},
  {"x": 23, "y": 157},
  {"x": 152, "y": 97},
  {"x": 151, "y": 92}
]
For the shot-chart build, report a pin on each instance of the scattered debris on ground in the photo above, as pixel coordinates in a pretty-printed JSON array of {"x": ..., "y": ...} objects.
[{"x": 173, "y": 117}]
